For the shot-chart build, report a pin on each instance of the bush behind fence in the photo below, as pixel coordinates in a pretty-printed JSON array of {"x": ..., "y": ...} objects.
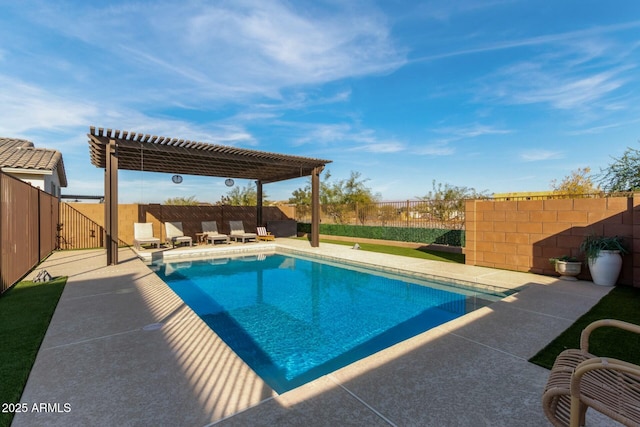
[{"x": 439, "y": 236}]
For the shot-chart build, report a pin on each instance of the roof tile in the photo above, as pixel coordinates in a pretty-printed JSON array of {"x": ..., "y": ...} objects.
[{"x": 21, "y": 154}]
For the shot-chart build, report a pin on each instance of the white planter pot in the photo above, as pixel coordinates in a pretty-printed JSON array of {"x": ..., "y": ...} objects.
[
  {"x": 568, "y": 270},
  {"x": 605, "y": 268}
]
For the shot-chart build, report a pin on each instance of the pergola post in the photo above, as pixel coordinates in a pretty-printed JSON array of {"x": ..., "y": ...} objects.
[
  {"x": 315, "y": 206},
  {"x": 259, "y": 203},
  {"x": 111, "y": 203}
]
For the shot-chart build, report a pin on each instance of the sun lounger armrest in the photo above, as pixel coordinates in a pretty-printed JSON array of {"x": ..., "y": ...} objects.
[{"x": 586, "y": 332}]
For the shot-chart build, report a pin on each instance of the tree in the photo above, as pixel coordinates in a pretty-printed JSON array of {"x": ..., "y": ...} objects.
[
  {"x": 358, "y": 196},
  {"x": 338, "y": 198},
  {"x": 302, "y": 196},
  {"x": 445, "y": 202},
  {"x": 387, "y": 213},
  {"x": 182, "y": 201},
  {"x": 245, "y": 196},
  {"x": 302, "y": 199},
  {"x": 332, "y": 200},
  {"x": 623, "y": 174},
  {"x": 577, "y": 184},
  {"x": 344, "y": 196}
]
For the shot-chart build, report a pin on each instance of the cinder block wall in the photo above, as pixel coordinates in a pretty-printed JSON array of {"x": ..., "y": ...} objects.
[{"x": 523, "y": 235}]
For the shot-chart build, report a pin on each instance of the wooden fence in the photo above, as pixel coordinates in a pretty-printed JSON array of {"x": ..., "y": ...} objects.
[
  {"x": 28, "y": 224},
  {"x": 82, "y": 223}
]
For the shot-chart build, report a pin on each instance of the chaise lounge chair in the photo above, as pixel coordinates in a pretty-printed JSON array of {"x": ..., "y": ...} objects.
[
  {"x": 143, "y": 235},
  {"x": 211, "y": 230},
  {"x": 237, "y": 232},
  {"x": 263, "y": 234},
  {"x": 175, "y": 234},
  {"x": 579, "y": 380}
]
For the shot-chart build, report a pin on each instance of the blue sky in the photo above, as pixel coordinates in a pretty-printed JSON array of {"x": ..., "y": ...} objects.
[{"x": 498, "y": 95}]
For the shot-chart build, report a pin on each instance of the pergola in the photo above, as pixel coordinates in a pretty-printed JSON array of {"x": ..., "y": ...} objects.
[{"x": 116, "y": 149}]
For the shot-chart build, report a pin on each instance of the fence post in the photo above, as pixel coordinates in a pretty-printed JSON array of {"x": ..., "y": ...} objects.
[
  {"x": 408, "y": 213},
  {"x": 315, "y": 207},
  {"x": 39, "y": 214},
  {"x": 357, "y": 214}
]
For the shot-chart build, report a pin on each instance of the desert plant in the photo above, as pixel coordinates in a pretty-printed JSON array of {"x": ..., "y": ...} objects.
[{"x": 592, "y": 245}]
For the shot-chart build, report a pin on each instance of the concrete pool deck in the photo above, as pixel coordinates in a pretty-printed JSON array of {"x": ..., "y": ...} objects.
[{"x": 122, "y": 349}]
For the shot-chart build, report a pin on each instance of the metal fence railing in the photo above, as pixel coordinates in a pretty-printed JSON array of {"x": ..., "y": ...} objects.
[
  {"x": 77, "y": 231},
  {"x": 443, "y": 214},
  {"x": 436, "y": 214},
  {"x": 28, "y": 220}
]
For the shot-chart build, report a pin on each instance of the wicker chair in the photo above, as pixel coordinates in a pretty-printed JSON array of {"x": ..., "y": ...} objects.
[{"x": 579, "y": 380}]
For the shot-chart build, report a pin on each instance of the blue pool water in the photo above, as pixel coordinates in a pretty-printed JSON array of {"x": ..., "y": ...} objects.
[{"x": 293, "y": 319}]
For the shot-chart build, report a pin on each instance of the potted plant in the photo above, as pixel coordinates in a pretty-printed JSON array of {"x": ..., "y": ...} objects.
[
  {"x": 604, "y": 258},
  {"x": 567, "y": 266}
]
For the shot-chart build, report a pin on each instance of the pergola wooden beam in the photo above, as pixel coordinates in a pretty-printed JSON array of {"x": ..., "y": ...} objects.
[
  {"x": 172, "y": 155},
  {"x": 116, "y": 149}
]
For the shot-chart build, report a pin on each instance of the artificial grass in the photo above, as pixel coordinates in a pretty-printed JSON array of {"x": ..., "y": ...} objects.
[
  {"x": 398, "y": 250},
  {"x": 25, "y": 313},
  {"x": 622, "y": 304}
]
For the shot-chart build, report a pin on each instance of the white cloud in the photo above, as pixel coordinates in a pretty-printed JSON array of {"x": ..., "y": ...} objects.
[
  {"x": 441, "y": 148},
  {"x": 603, "y": 128},
  {"x": 324, "y": 133},
  {"x": 444, "y": 10},
  {"x": 562, "y": 91},
  {"x": 540, "y": 155},
  {"x": 380, "y": 147},
  {"x": 578, "y": 37},
  {"x": 586, "y": 76},
  {"x": 344, "y": 136},
  {"x": 471, "y": 131},
  {"x": 24, "y": 106},
  {"x": 452, "y": 134},
  {"x": 216, "y": 133},
  {"x": 85, "y": 184},
  {"x": 29, "y": 111},
  {"x": 230, "y": 50},
  {"x": 276, "y": 41}
]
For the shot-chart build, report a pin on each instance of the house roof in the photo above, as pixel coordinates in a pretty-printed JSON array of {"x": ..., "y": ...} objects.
[
  {"x": 143, "y": 152},
  {"x": 21, "y": 154},
  {"x": 9, "y": 143}
]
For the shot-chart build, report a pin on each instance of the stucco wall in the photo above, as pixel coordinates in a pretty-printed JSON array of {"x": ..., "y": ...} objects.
[
  {"x": 43, "y": 181},
  {"x": 523, "y": 235}
]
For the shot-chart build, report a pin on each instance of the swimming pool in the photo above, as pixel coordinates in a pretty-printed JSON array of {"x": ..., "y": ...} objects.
[{"x": 293, "y": 319}]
